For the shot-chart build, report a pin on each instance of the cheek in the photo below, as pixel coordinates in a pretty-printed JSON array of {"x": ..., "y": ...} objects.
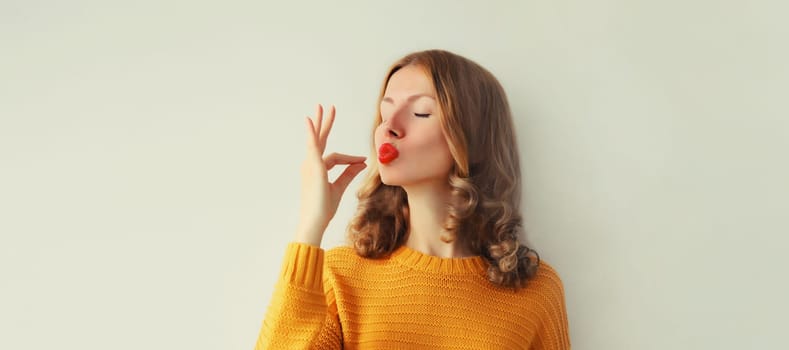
[
  {"x": 436, "y": 140},
  {"x": 435, "y": 148},
  {"x": 446, "y": 156},
  {"x": 441, "y": 145}
]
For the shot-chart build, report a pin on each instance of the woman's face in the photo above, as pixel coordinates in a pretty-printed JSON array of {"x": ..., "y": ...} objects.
[{"x": 411, "y": 122}]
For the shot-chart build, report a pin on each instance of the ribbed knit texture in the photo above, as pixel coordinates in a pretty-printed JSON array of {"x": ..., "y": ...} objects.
[{"x": 410, "y": 300}]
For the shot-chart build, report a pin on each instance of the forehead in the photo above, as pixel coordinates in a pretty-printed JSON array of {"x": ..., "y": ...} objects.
[{"x": 410, "y": 80}]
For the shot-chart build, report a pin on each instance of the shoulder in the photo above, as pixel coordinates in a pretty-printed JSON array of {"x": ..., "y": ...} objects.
[
  {"x": 548, "y": 302},
  {"x": 341, "y": 255},
  {"x": 548, "y": 278},
  {"x": 546, "y": 282},
  {"x": 343, "y": 260},
  {"x": 546, "y": 289},
  {"x": 346, "y": 270}
]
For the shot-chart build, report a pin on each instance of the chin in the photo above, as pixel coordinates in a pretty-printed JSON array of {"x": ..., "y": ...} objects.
[
  {"x": 388, "y": 180},
  {"x": 400, "y": 181},
  {"x": 391, "y": 178}
]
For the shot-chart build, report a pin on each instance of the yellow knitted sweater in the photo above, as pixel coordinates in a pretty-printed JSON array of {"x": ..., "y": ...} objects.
[{"x": 338, "y": 300}]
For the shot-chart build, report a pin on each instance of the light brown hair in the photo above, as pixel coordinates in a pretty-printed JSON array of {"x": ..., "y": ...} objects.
[{"x": 485, "y": 180}]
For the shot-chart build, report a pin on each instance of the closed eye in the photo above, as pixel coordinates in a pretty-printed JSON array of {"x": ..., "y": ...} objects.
[{"x": 422, "y": 115}]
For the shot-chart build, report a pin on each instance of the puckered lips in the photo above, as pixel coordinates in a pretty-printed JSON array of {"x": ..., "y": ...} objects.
[{"x": 387, "y": 153}]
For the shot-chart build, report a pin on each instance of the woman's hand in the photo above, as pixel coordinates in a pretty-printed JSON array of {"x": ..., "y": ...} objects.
[{"x": 319, "y": 197}]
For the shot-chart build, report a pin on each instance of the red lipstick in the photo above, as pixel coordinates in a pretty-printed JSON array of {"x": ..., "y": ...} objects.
[{"x": 387, "y": 153}]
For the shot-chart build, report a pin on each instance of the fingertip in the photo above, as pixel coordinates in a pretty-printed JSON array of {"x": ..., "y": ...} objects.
[{"x": 332, "y": 113}]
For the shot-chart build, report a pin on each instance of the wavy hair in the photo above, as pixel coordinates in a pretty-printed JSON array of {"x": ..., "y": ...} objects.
[{"x": 485, "y": 180}]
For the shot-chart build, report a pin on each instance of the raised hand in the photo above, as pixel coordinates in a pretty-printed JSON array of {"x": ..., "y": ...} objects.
[{"x": 319, "y": 197}]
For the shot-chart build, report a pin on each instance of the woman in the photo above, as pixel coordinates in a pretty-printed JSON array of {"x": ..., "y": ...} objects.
[{"x": 436, "y": 260}]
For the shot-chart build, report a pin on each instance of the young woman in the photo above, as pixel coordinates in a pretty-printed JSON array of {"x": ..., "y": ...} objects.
[{"x": 436, "y": 259}]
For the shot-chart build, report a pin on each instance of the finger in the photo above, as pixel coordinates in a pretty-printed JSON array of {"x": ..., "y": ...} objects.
[
  {"x": 312, "y": 141},
  {"x": 326, "y": 127},
  {"x": 347, "y": 176},
  {"x": 318, "y": 124},
  {"x": 339, "y": 158}
]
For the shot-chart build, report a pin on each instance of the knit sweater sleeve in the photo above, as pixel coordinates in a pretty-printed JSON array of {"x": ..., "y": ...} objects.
[
  {"x": 553, "y": 333},
  {"x": 302, "y": 313}
]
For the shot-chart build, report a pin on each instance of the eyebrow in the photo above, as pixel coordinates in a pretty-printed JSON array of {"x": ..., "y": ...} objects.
[{"x": 410, "y": 98}]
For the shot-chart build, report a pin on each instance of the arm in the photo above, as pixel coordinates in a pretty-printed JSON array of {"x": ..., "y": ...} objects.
[
  {"x": 302, "y": 313},
  {"x": 553, "y": 333}
]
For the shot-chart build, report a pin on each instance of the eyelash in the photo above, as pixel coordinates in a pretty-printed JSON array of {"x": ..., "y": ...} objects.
[{"x": 422, "y": 115}]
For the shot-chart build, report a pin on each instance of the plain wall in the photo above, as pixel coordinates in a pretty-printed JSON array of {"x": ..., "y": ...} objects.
[{"x": 150, "y": 152}]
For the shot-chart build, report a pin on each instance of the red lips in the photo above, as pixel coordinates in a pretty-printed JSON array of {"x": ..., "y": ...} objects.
[{"x": 387, "y": 153}]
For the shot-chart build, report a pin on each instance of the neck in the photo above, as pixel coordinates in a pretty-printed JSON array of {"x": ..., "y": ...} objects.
[{"x": 427, "y": 214}]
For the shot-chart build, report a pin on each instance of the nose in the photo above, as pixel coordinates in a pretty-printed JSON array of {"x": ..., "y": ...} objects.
[
  {"x": 396, "y": 133},
  {"x": 394, "y": 126}
]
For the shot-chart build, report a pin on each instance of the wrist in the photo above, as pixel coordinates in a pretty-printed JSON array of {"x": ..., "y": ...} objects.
[{"x": 309, "y": 234}]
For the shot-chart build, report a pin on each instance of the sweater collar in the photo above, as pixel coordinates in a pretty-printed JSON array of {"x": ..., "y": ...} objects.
[{"x": 448, "y": 266}]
